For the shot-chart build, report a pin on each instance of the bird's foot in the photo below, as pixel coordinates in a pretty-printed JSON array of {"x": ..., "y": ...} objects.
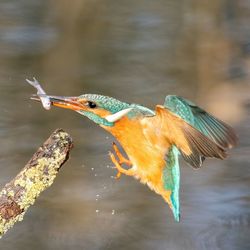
[
  {"x": 118, "y": 166},
  {"x": 122, "y": 159}
]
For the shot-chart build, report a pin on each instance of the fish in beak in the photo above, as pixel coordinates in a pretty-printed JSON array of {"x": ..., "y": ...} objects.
[
  {"x": 67, "y": 102},
  {"x": 59, "y": 101}
]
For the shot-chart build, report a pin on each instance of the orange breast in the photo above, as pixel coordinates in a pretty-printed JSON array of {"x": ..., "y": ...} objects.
[{"x": 145, "y": 149}]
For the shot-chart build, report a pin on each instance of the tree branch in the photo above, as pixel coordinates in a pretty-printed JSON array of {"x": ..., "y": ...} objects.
[{"x": 38, "y": 174}]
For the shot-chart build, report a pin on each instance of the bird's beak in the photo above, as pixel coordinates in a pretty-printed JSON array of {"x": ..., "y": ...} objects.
[{"x": 67, "y": 102}]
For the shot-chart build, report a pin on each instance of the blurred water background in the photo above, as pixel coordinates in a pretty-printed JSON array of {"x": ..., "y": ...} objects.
[{"x": 137, "y": 51}]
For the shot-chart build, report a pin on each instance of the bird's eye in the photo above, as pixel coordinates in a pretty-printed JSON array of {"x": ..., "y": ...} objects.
[{"x": 90, "y": 104}]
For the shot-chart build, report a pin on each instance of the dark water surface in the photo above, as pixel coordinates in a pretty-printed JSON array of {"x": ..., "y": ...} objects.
[{"x": 137, "y": 51}]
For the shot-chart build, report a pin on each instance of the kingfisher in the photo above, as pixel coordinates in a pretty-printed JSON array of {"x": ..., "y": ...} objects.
[{"x": 155, "y": 140}]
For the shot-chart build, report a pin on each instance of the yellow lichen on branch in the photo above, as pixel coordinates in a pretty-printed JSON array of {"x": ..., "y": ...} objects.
[{"x": 38, "y": 174}]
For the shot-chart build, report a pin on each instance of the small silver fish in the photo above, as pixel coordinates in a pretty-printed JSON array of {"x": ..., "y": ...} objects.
[{"x": 41, "y": 93}]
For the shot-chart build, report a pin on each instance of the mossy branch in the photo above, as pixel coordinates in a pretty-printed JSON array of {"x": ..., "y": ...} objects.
[{"x": 38, "y": 174}]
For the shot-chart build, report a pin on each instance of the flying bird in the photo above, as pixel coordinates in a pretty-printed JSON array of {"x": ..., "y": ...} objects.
[{"x": 155, "y": 140}]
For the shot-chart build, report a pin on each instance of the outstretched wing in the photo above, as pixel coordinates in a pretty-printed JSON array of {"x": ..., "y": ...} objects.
[
  {"x": 218, "y": 131},
  {"x": 183, "y": 128},
  {"x": 193, "y": 144}
]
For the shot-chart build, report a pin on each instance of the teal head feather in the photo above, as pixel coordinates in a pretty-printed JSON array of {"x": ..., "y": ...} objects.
[
  {"x": 111, "y": 105},
  {"x": 101, "y": 102}
]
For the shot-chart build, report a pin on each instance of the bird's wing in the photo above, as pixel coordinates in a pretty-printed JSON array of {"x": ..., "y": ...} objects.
[
  {"x": 192, "y": 144},
  {"x": 216, "y": 130},
  {"x": 171, "y": 180}
]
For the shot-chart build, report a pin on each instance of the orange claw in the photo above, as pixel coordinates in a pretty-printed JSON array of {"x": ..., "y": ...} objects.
[
  {"x": 122, "y": 159},
  {"x": 118, "y": 175},
  {"x": 118, "y": 166}
]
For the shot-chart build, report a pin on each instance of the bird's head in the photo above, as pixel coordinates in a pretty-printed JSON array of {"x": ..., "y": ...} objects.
[{"x": 103, "y": 110}]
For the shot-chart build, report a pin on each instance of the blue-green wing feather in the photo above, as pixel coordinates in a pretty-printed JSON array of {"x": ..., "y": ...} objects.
[
  {"x": 171, "y": 180},
  {"x": 216, "y": 130}
]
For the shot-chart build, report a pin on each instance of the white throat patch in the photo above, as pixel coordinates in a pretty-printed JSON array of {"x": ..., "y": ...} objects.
[{"x": 118, "y": 115}]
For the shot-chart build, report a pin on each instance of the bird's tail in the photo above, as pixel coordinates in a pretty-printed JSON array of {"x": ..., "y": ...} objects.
[{"x": 171, "y": 181}]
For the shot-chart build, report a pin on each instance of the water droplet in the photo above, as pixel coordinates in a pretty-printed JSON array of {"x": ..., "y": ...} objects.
[
  {"x": 95, "y": 174},
  {"x": 97, "y": 210},
  {"x": 113, "y": 212},
  {"x": 97, "y": 195},
  {"x": 104, "y": 187},
  {"x": 92, "y": 169}
]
